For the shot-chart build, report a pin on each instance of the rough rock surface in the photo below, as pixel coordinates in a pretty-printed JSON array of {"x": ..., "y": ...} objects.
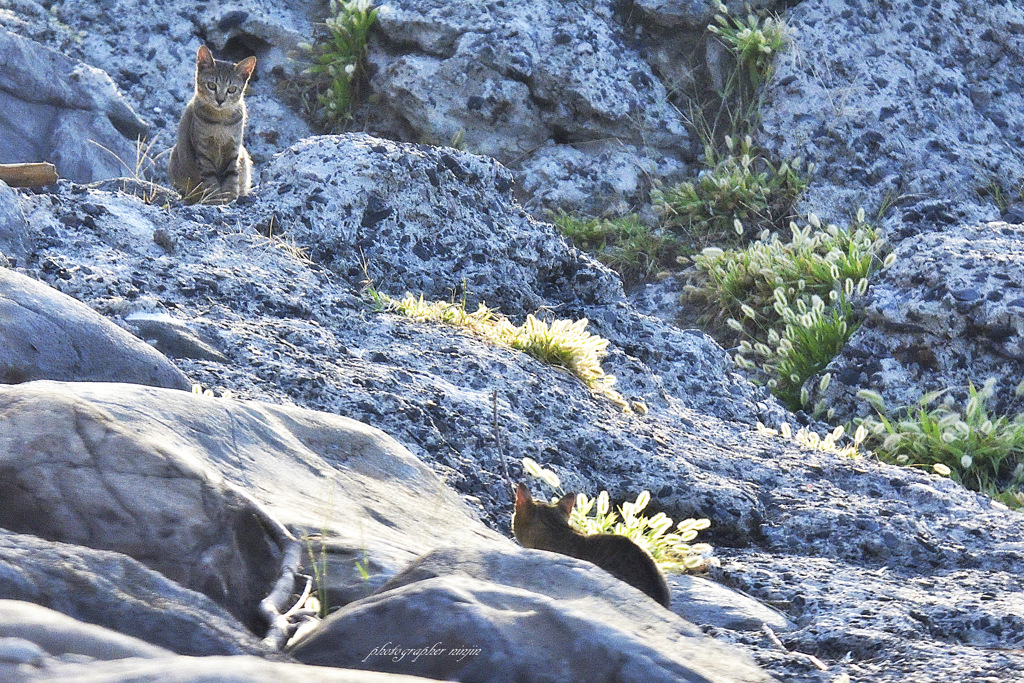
[
  {"x": 295, "y": 331},
  {"x": 114, "y": 591},
  {"x": 208, "y": 670},
  {"x": 949, "y": 312},
  {"x": 13, "y": 230},
  {"x": 45, "y": 334},
  {"x": 920, "y": 102},
  {"x": 71, "y": 473},
  {"x": 54, "y": 108},
  {"x": 488, "y": 632},
  {"x": 522, "y": 76}
]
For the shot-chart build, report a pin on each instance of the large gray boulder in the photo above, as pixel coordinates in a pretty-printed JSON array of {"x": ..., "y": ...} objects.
[
  {"x": 948, "y": 313},
  {"x": 38, "y": 644},
  {"x": 529, "y": 75},
  {"x": 13, "y": 229},
  {"x": 114, "y": 591},
  {"x": 901, "y": 102},
  {"x": 57, "y": 109},
  {"x": 521, "y": 615},
  {"x": 72, "y": 473},
  {"x": 45, "y": 334}
]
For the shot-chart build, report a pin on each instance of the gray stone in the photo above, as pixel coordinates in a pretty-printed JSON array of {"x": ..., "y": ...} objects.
[
  {"x": 317, "y": 473},
  {"x": 114, "y": 591},
  {"x": 898, "y": 103},
  {"x": 72, "y": 473},
  {"x": 173, "y": 337},
  {"x": 210, "y": 670},
  {"x": 705, "y": 602},
  {"x": 487, "y": 630},
  {"x": 513, "y": 75},
  {"x": 14, "y": 231},
  {"x": 949, "y": 312},
  {"x": 45, "y": 334},
  {"x": 68, "y": 113},
  {"x": 58, "y": 634}
]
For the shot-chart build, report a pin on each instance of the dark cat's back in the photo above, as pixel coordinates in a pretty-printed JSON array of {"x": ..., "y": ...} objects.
[{"x": 546, "y": 527}]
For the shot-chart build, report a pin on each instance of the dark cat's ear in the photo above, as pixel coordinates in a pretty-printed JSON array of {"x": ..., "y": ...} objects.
[
  {"x": 204, "y": 59},
  {"x": 523, "y": 497},
  {"x": 245, "y": 67},
  {"x": 566, "y": 502}
]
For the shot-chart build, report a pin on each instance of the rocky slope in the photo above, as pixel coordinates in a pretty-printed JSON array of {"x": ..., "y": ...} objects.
[{"x": 143, "y": 522}]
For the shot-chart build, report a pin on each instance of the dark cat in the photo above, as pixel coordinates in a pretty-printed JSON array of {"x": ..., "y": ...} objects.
[
  {"x": 209, "y": 163},
  {"x": 546, "y": 527}
]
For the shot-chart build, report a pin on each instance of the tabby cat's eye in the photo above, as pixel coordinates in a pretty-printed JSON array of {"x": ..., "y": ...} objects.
[
  {"x": 211, "y": 85},
  {"x": 232, "y": 90}
]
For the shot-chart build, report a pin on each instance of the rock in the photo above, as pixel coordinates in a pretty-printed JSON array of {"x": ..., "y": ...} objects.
[
  {"x": 173, "y": 337},
  {"x": 949, "y": 312},
  {"x": 900, "y": 104},
  {"x": 467, "y": 615},
  {"x": 72, "y": 473},
  {"x": 48, "y": 335},
  {"x": 114, "y": 591},
  {"x": 60, "y": 110},
  {"x": 537, "y": 85},
  {"x": 705, "y": 602},
  {"x": 592, "y": 178},
  {"x": 314, "y": 472},
  {"x": 210, "y": 670},
  {"x": 13, "y": 229},
  {"x": 58, "y": 634}
]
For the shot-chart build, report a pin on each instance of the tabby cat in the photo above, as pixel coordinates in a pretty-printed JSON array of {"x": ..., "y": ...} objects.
[
  {"x": 546, "y": 527},
  {"x": 208, "y": 163}
]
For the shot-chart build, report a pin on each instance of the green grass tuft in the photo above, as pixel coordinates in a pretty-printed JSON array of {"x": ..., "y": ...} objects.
[
  {"x": 564, "y": 343},
  {"x": 339, "y": 60},
  {"x": 627, "y": 244},
  {"x": 983, "y": 451}
]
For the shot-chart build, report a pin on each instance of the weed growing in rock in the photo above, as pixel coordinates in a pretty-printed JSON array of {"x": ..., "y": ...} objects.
[
  {"x": 740, "y": 188},
  {"x": 339, "y": 59},
  {"x": 672, "y": 552},
  {"x": 753, "y": 42},
  {"x": 984, "y": 452},
  {"x": 564, "y": 343},
  {"x": 789, "y": 304},
  {"x": 626, "y": 244},
  {"x": 830, "y": 443}
]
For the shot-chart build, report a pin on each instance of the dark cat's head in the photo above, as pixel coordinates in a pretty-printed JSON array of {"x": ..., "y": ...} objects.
[
  {"x": 536, "y": 525},
  {"x": 221, "y": 84}
]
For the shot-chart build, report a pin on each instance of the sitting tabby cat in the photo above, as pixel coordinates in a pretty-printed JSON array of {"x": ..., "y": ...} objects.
[
  {"x": 208, "y": 163},
  {"x": 546, "y": 527}
]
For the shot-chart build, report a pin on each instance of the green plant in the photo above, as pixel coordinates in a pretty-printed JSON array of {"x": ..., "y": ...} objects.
[
  {"x": 788, "y": 304},
  {"x": 625, "y": 244},
  {"x": 672, "y": 551},
  {"x": 741, "y": 191},
  {"x": 983, "y": 451},
  {"x": 812, "y": 440},
  {"x": 753, "y": 42},
  {"x": 564, "y": 343},
  {"x": 339, "y": 59}
]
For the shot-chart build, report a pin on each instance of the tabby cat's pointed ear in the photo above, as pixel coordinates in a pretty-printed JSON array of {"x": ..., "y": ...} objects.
[
  {"x": 245, "y": 67},
  {"x": 204, "y": 60}
]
